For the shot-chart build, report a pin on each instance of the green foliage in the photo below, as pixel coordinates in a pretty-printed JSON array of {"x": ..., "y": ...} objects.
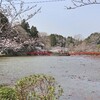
[
  {"x": 33, "y": 87},
  {"x": 53, "y": 40},
  {"x": 7, "y": 93},
  {"x": 34, "y": 31},
  {"x": 70, "y": 40},
  {"x": 3, "y": 19},
  {"x": 3, "y": 22},
  {"x": 25, "y": 25},
  {"x": 98, "y": 47},
  {"x": 41, "y": 87},
  {"x": 57, "y": 40},
  {"x": 94, "y": 38}
]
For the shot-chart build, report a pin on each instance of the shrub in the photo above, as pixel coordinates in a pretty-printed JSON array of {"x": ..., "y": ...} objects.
[
  {"x": 38, "y": 87},
  {"x": 33, "y": 87},
  {"x": 7, "y": 93}
]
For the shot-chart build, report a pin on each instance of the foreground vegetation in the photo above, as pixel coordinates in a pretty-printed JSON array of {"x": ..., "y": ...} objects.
[{"x": 33, "y": 87}]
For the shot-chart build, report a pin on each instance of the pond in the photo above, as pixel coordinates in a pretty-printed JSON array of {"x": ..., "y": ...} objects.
[{"x": 78, "y": 75}]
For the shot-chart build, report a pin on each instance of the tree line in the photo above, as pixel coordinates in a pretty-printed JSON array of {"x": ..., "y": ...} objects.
[{"x": 33, "y": 32}]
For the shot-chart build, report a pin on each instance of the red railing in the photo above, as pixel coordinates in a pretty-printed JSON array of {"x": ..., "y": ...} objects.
[
  {"x": 39, "y": 53},
  {"x": 85, "y": 53}
]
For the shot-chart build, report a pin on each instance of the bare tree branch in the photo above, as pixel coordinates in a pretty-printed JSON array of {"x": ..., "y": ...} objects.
[
  {"x": 81, "y": 3},
  {"x": 0, "y": 3},
  {"x": 15, "y": 13}
]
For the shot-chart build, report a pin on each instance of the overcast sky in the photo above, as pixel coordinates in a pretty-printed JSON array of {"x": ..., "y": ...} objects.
[{"x": 55, "y": 18}]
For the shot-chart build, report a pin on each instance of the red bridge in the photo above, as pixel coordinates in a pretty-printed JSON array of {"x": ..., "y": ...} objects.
[
  {"x": 85, "y": 53},
  {"x": 39, "y": 53}
]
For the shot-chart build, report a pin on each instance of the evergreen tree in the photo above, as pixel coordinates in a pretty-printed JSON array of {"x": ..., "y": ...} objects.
[
  {"x": 34, "y": 32},
  {"x": 3, "y": 19},
  {"x": 3, "y": 23},
  {"x": 25, "y": 25},
  {"x": 53, "y": 40}
]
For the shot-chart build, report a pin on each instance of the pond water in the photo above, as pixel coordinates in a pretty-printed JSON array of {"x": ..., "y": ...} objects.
[{"x": 78, "y": 75}]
